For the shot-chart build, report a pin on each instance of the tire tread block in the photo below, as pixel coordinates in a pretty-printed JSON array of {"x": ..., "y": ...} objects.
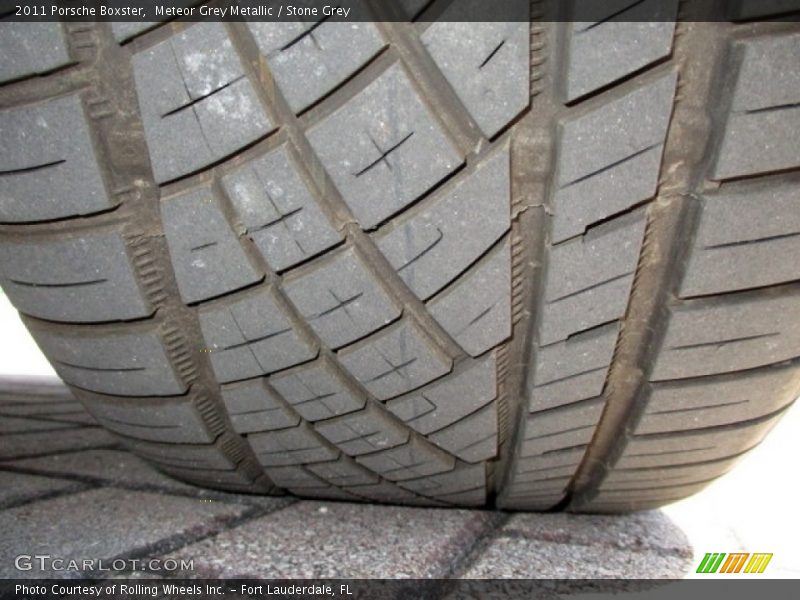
[
  {"x": 716, "y": 401},
  {"x": 433, "y": 246},
  {"x": 83, "y": 280},
  {"x": 589, "y": 278},
  {"x": 205, "y": 252},
  {"x": 340, "y": 299},
  {"x": 253, "y": 407},
  {"x": 250, "y": 337},
  {"x": 126, "y": 364},
  {"x": 383, "y": 149},
  {"x": 476, "y": 309},
  {"x": 31, "y": 48},
  {"x": 760, "y": 132},
  {"x": 278, "y": 210},
  {"x": 602, "y": 52},
  {"x": 309, "y": 63},
  {"x": 748, "y": 237},
  {"x": 724, "y": 337},
  {"x": 432, "y": 408},
  {"x": 294, "y": 446},
  {"x": 395, "y": 360},
  {"x": 48, "y": 166},
  {"x": 316, "y": 391},
  {"x": 412, "y": 460},
  {"x": 368, "y": 430},
  {"x": 610, "y": 157},
  {"x": 487, "y": 64},
  {"x": 196, "y": 102}
]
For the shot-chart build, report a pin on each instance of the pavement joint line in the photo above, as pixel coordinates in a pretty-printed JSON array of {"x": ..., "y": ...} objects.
[
  {"x": 515, "y": 534},
  {"x": 45, "y": 421},
  {"x": 14, "y": 400},
  {"x": 62, "y": 420},
  {"x": 61, "y": 394},
  {"x": 41, "y": 416},
  {"x": 49, "y": 495},
  {"x": 58, "y": 452},
  {"x": 49, "y": 418},
  {"x": 75, "y": 403},
  {"x": 27, "y": 431},
  {"x": 7, "y": 397},
  {"x": 46, "y": 430},
  {"x": 100, "y": 482},
  {"x": 465, "y": 560},
  {"x": 174, "y": 543}
]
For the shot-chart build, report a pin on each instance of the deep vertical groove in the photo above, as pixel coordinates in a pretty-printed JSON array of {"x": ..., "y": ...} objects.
[
  {"x": 670, "y": 229},
  {"x": 532, "y": 169},
  {"x": 471, "y": 555}
]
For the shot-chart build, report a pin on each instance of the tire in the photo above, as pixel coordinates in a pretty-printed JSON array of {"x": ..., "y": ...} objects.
[{"x": 530, "y": 266}]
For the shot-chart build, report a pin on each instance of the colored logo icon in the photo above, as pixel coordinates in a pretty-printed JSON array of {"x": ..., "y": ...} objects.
[{"x": 737, "y": 562}]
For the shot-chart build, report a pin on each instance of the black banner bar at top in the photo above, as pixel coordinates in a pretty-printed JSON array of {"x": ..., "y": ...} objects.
[{"x": 596, "y": 12}]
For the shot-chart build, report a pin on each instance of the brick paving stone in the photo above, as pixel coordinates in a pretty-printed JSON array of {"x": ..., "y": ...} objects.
[
  {"x": 525, "y": 558},
  {"x": 24, "y": 425},
  {"x": 640, "y": 545},
  {"x": 18, "y": 487},
  {"x": 102, "y": 524},
  {"x": 113, "y": 466},
  {"x": 650, "y": 530},
  {"x": 331, "y": 539},
  {"x": 21, "y": 445}
]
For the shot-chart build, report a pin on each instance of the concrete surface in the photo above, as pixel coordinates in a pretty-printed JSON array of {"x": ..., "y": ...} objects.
[{"x": 342, "y": 540}]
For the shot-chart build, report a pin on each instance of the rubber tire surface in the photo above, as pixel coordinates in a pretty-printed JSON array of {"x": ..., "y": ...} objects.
[{"x": 527, "y": 265}]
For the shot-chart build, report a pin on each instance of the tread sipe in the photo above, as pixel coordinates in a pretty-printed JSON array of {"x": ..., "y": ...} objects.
[{"x": 532, "y": 265}]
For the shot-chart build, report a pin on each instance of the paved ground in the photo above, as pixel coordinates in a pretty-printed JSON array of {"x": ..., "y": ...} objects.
[{"x": 67, "y": 489}]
